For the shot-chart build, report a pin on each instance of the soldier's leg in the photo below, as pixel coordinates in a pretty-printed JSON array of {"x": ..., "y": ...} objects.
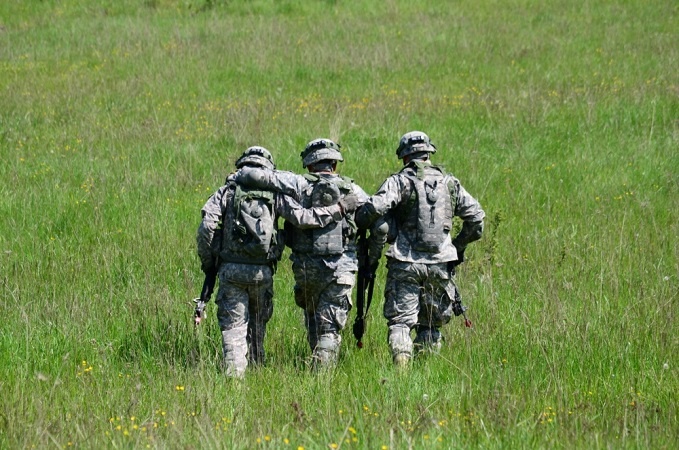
[
  {"x": 307, "y": 301},
  {"x": 311, "y": 326},
  {"x": 331, "y": 317},
  {"x": 232, "y": 314},
  {"x": 401, "y": 306},
  {"x": 435, "y": 308},
  {"x": 427, "y": 339},
  {"x": 261, "y": 310},
  {"x": 307, "y": 290}
]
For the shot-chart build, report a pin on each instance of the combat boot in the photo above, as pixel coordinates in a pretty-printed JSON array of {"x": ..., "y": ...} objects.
[
  {"x": 402, "y": 360},
  {"x": 326, "y": 353},
  {"x": 427, "y": 341},
  {"x": 232, "y": 371}
]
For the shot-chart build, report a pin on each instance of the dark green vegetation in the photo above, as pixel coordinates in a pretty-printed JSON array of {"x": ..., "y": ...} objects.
[{"x": 119, "y": 118}]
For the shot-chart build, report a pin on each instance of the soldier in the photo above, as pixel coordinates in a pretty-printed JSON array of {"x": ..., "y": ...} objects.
[
  {"x": 420, "y": 202},
  {"x": 324, "y": 260},
  {"x": 248, "y": 248}
]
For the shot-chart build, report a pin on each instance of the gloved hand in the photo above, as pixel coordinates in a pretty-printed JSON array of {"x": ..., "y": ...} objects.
[{"x": 349, "y": 203}]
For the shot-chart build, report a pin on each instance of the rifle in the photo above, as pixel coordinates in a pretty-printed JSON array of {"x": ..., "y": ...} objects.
[
  {"x": 366, "y": 284},
  {"x": 205, "y": 294},
  {"x": 210, "y": 278},
  {"x": 458, "y": 307}
]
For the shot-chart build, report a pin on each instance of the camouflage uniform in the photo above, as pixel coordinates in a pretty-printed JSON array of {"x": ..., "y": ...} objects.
[
  {"x": 245, "y": 295},
  {"x": 325, "y": 272},
  {"x": 420, "y": 291}
]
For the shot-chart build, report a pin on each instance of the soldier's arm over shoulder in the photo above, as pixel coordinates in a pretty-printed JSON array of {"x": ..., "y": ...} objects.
[
  {"x": 360, "y": 193},
  {"x": 288, "y": 183},
  {"x": 469, "y": 210},
  {"x": 388, "y": 196},
  {"x": 318, "y": 217}
]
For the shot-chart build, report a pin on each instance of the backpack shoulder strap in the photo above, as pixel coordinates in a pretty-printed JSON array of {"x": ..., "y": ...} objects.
[{"x": 312, "y": 177}]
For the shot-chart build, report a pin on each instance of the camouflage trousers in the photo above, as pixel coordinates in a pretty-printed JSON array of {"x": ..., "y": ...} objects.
[
  {"x": 244, "y": 306},
  {"x": 325, "y": 296},
  {"x": 420, "y": 297}
]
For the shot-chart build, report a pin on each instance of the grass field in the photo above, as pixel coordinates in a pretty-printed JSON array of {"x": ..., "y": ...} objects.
[{"x": 119, "y": 118}]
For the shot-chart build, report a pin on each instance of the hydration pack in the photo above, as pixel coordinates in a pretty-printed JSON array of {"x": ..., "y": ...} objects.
[
  {"x": 329, "y": 240},
  {"x": 434, "y": 209},
  {"x": 254, "y": 230}
]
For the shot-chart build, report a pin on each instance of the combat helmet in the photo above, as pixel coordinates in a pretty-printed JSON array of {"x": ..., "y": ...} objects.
[
  {"x": 320, "y": 150},
  {"x": 258, "y": 156},
  {"x": 414, "y": 142}
]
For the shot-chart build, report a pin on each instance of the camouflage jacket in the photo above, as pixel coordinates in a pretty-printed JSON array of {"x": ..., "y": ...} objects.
[
  {"x": 397, "y": 196},
  {"x": 216, "y": 211},
  {"x": 301, "y": 187}
]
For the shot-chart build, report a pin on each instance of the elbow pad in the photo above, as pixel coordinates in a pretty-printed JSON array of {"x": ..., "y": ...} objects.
[{"x": 380, "y": 229}]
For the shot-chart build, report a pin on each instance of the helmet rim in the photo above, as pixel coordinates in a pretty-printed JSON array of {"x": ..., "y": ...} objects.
[
  {"x": 321, "y": 149},
  {"x": 414, "y": 142},
  {"x": 258, "y": 156}
]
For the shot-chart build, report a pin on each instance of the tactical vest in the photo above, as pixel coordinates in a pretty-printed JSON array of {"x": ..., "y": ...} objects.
[
  {"x": 426, "y": 218},
  {"x": 250, "y": 227},
  {"x": 332, "y": 239}
]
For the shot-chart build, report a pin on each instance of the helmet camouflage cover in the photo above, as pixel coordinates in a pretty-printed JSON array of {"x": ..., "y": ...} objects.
[
  {"x": 320, "y": 150},
  {"x": 257, "y": 156},
  {"x": 414, "y": 142}
]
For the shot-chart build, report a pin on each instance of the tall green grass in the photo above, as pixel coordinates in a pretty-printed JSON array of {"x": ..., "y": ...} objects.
[{"x": 118, "y": 120}]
